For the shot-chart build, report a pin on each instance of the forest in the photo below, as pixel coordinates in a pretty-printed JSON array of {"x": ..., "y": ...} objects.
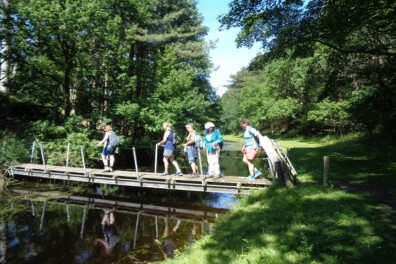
[{"x": 68, "y": 67}]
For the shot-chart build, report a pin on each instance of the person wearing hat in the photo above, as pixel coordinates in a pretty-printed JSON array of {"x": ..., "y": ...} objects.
[
  {"x": 212, "y": 143},
  {"x": 191, "y": 151}
]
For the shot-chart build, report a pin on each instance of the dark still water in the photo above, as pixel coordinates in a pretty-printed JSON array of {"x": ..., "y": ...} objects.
[
  {"x": 44, "y": 221},
  {"x": 51, "y": 227}
]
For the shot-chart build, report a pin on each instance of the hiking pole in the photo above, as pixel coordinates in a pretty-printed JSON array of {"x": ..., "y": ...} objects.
[{"x": 200, "y": 161}]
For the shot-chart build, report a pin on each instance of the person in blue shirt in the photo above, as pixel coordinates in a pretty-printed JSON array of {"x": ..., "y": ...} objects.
[
  {"x": 169, "y": 149},
  {"x": 212, "y": 144},
  {"x": 250, "y": 147}
]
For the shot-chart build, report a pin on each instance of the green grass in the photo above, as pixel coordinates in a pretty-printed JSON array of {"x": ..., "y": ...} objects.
[
  {"x": 311, "y": 223},
  {"x": 299, "y": 225},
  {"x": 352, "y": 159}
]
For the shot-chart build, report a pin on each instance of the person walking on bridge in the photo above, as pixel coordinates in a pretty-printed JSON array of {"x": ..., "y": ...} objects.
[
  {"x": 191, "y": 150},
  {"x": 110, "y": 141},
  {"x": 212, "y": 144},
  {"x": 250, "y": 147},
  {"x": 168, "y": 141}
]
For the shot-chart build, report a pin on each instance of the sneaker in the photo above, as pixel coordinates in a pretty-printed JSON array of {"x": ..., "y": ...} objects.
[
  {"x": 179, "y": 173},
  {"x": 165, "y": 173},
  {"x": 257, "y": 172},
  {"x": 107, "y": 169},
  {"x": 211, "y": 175},
  {"x": 110, "y": 169},
  {"x": 217, "y": 176},
  {"x": 251, "y": 178}
]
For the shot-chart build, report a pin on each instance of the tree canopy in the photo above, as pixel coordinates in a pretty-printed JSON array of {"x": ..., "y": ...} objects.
[
  {"x": 327, "y": 64},
  {"x": 134, "y": 63}
]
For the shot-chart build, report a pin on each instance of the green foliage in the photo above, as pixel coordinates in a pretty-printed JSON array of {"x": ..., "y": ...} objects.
[
  {"x": 12, "y": 150},
  {"x": 330, "y": 114},
  {"x": 336, "y": 50}
]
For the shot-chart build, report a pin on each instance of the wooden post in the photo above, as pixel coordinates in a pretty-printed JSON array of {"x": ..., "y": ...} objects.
[{"x": 326, "y": 168}]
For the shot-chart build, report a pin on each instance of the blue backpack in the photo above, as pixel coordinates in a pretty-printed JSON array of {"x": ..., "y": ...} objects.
[
  {"x": 114, "y": 140},
  {"x": 198, "y": 140}
]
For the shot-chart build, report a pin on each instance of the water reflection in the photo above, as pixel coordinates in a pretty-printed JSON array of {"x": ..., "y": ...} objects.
[{"x": 74, "y": 229}]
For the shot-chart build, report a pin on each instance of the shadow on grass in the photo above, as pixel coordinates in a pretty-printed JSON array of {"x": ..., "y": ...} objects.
[{"x": 303, "y": 225}]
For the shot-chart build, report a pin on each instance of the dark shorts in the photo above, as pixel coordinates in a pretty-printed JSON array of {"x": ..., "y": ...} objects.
[
  {"x": 169, "y": 153},
  {"x": 109, "y": 150}
]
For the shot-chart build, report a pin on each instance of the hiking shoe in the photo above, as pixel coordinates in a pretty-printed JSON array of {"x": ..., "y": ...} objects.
[
  {"x": 257, "y": 172},
  {"x": 251, "y": 178},
  {"x": 179, "y": 173},
  {"x": 165, "y": 173}
]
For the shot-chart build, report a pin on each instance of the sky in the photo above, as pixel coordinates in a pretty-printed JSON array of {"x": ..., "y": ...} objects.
[{"x": 226, "y": 57}]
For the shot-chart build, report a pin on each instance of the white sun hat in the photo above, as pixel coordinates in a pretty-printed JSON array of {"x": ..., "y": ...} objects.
[{"x": 209, "y": 125}]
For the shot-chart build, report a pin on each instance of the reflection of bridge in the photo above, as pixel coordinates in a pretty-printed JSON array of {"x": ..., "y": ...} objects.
[
  {"x": 198, "y": 213},
  {"x": 227, "y": 184},
  {"x": 201, "y": 215}
]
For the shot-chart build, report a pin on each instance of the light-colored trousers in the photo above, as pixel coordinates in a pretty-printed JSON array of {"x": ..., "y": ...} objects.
[{"x": 213, "y": 162}]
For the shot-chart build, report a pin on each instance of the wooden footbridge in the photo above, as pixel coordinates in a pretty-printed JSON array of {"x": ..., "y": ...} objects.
[
  {"x": 226, "y": 184},
  {"x": 279, "y": 165}
]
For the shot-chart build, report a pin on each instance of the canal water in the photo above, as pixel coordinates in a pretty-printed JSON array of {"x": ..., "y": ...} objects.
[{"x": 49, "y": 222}]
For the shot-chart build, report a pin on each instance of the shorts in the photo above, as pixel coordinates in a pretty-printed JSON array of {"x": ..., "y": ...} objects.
[
  {"x": 250, "y": 153},
  {"x": 169, "y": 152},
  {"x": 191, "y": 154},
  {"x": 109, "y": 150}
]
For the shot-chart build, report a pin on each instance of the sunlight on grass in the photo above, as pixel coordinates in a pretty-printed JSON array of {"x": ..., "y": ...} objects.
[
  {"x": 301, "y": 225},
  {"x": 311, "y": 224}
]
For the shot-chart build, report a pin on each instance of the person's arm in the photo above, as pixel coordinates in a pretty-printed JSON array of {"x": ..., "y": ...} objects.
[
  {"x": 105, "y": 138},
  {"x": 191, "y": 139},
  {"x": 165, "y": 138}
]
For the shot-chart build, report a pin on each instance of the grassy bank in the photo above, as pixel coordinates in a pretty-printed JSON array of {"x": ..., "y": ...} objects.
[{"x": 311, "y": 223}]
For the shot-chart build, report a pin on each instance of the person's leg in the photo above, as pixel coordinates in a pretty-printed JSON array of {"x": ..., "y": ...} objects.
[
  {"x": 216, "y": 166},
  {"x": 112, "y": 160},
  {"x": 166, "y": 166},
  {"x": 174, "y": 162},
  {"x": 250, "y": 165},
  {"x": 105, "y": 160},
  {"x": 211, "y": 164}
]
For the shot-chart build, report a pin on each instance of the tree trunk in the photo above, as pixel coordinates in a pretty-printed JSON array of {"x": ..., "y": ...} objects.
[{"x": 4, "y": 69}]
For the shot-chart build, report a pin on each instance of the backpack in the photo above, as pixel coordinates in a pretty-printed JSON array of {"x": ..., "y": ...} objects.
[
  {"x": 198, "y": 140},
  {"x": 175, "y": 140},
  {"x": 256, "y": 138},
  {"x": 221, "y": 143},
  {"x": 114, "y": 140}
]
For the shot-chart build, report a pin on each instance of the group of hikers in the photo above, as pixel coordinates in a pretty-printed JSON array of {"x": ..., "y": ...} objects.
[{"x": 211, "y": 142}]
